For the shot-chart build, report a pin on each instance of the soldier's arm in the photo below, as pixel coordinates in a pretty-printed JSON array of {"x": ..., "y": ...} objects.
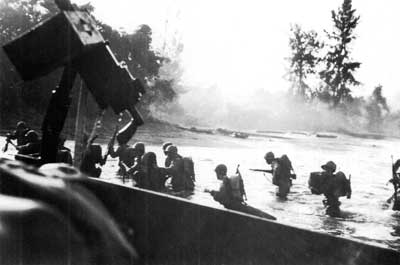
[
  {"x": 174, "y": 166},
  {"x": 277, "y": 171},
  {"x": 216, "y": 194},
  {"x": 221, "y": 195},
  {"x": 123, "y": 166},
  {"x": 134, "y": 167},
  {"x": 12, "y": 135},
  {"x": 261, "y": 170},
  {"x": 114, "y": 153},
  {"x": 25, "y": 149},
  {"x": 167, "y": 162}
]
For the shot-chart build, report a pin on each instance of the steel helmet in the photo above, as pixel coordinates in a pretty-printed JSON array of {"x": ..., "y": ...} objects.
[
  {"x": 139, "y": 147},
  {"x": 32, "y": 136},
  {"x": 330, "y": 165},
  {"x": 269, "y": 156},
  {"x": 221, "y": 168},
  {"x": 165, "y": 146},
  {"x": 21, "y": 125},
  {"x": 172, "y": 149}
]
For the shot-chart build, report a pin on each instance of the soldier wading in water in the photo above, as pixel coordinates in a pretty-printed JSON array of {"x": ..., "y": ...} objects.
[
  {"x": 281, "y": 173},
  {"x": 332, "y": 186},
  {"x": 232, "y": 195}
]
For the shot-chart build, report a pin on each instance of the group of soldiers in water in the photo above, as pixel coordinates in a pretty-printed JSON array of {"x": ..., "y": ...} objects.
[
  {"x": 141, "y": 166},
  {"x": 28, "y": 143},
  {"x": 134, "y": 163}
]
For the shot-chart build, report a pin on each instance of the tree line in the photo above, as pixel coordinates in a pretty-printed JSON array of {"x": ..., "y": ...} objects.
[{"x": 324, "y": 70}]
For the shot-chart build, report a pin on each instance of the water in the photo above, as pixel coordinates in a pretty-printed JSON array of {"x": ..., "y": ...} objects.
[{"x": 367, "y": 216}]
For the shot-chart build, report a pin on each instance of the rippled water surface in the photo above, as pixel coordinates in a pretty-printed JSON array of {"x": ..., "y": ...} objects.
[{"x": 367, "y": 216}]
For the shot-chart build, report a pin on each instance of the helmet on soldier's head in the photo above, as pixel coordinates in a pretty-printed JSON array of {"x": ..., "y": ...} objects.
[
  {"x": 139, "y": 147},
  {"x": 21, "y": 125},
  {"x": 165, "y": 146},
  {"x": 172, "y": 149},
  {"x": 131, "y": 153},
  {"x": 221, "y": 169},
  {"x": 329, "y": 166},
  {"x": 269, "y": 155},
  {"x": 32, "y": 136}
]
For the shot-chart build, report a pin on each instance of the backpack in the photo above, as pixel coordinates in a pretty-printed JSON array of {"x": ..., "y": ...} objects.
[
  {"x": 342, "y": 185},
  {"x": 317, "y": 182},
  {"x": 285, "y": 163},
  {"x": 237, "y": 187},
  {"x": 188, "y": 168},
  {"x": 285, "y": 166},
  {"x": 338, "y": 184}
]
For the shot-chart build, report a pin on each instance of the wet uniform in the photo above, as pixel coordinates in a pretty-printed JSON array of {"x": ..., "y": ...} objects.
[
  {"x": 29, "y": 148},
  {"x": 167, "y": 161},
  {"x": 224, "y": 194},
  {"x": 281, "y": 178},
  {"x": 231, "y": 197},
  {"x": 176, "y": 171},
  {"x": 332, "y": 197},
  {"x": 138, "y": 173},
  {"x": 124, "y": 156},
  {"x": 20, "y": 136},
  {"x": 91, "y": 157},
  {"x": 155, "y": 176},
  {"x": 156, "y": 179}
]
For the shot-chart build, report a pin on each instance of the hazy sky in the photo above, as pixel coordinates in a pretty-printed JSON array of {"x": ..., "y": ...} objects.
[{"x": 240, "y": 46}]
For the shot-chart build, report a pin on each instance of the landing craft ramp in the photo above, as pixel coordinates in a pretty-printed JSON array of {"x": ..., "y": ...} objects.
[{"x": 170, "y": 230}]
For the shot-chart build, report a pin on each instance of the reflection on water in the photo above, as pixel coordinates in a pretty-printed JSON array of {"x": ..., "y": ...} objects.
[{"x": 367, "y": 217}]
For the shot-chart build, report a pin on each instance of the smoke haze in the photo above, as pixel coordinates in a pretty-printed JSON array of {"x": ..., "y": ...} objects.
[{"x": 264, "y": 110}]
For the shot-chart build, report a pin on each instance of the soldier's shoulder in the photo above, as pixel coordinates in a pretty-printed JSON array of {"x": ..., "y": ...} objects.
[{"x": 226, "y": 180}]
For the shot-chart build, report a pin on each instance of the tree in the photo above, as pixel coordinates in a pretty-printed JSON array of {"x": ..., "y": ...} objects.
[
  {"x": 17, "y": 16},
  {"x": 136, "y": 50},
  {"x": 338, "y": 73},
  {"x": 303, "y": 59},
  {"x": 375, "y": 107}
]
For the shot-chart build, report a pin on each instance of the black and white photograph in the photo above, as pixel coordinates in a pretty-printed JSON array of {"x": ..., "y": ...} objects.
[{"x": 213, "y": 132}]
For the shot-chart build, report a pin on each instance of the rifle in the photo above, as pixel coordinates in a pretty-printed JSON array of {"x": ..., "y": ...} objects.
[
  {"x": 8, "y": 141},
  {"x": 292, "y": 175},
  {"x": 5, "y": 148},
  {"x": 261, "y": 170},
  {"x": 110, "y": 145},
  {"x": 241, "y": 183},
  {"x": 349, "y": 194}
]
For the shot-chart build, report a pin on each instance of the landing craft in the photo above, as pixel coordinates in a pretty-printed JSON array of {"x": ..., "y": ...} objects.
[{"x": 157, "y": 228}]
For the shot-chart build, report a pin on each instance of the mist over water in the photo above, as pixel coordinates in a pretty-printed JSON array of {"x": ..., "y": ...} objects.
[{"x": 263, "y": 110}]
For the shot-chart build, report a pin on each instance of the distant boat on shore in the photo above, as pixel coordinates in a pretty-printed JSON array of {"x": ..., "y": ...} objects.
[
  {"x": 323, "y": 135},
  {"x": 270, "y": 131},
  {"x": 240, "y": 135}
]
